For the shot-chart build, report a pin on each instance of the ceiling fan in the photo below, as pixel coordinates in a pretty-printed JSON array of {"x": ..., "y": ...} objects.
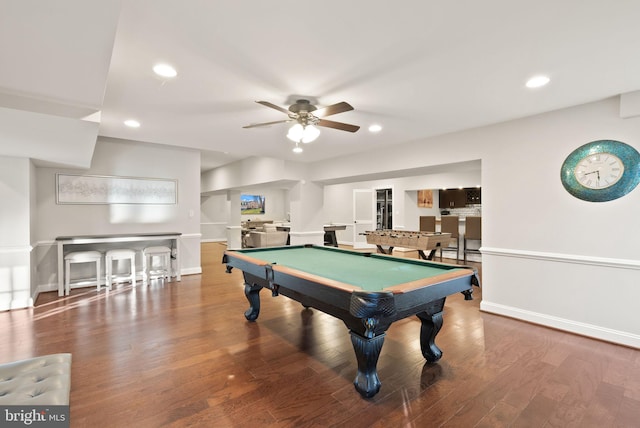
[{"x": 307, "y": 114}]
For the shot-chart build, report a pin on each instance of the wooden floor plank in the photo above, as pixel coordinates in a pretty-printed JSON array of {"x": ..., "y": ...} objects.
[{"x": 181, "y": 354}]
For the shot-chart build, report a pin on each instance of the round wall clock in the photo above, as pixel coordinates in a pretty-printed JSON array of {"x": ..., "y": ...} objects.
[{"x": 601, "y": 171}]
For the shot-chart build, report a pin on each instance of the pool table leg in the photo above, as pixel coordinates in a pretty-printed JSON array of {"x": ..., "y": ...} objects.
[
  {"x": 367, "y": 350},
  {"x": 252, "y": 292},
  {"x": 431, "y": 324}
]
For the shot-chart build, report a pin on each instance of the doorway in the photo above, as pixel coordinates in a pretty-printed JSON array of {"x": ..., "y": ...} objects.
[{"x": 384, "y": 209}]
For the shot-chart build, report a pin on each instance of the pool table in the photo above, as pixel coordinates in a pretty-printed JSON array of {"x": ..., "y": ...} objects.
[{"x": 366, "y": 291}]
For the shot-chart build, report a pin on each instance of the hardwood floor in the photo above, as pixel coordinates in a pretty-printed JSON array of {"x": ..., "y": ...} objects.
[{"x": 182, "y": 354}]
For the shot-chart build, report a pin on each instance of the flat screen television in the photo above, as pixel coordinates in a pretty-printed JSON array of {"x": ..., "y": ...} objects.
[{"x": 251, "y": 204}]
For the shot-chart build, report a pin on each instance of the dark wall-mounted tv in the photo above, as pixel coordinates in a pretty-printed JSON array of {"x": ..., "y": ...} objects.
[{"x": 251, "y": 204}]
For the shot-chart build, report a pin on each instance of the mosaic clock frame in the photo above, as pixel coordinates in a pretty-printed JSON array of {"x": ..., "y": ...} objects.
[{"x": 601, "y": 171}]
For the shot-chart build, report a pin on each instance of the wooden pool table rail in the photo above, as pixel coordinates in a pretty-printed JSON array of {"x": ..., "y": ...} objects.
[
  {"x": 366, "y": 314},
  {"x": 458, "y": 272}
]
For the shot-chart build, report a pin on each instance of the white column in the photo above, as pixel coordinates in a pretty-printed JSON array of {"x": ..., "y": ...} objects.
[
  {"x": 234, "y": 231},
  {"x": 307, "y": 213},
  {"x": 15, "y": 235}
]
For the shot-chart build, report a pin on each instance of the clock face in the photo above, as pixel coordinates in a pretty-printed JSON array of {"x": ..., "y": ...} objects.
[{"x": 599, "y": 171}]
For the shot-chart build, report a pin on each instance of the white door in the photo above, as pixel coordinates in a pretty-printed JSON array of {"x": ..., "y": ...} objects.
[{"x": 364, "y": 216}]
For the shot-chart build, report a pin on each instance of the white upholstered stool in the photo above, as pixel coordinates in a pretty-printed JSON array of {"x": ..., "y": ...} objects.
[
  {"x": 115, "y": 255},
  {"x": 80, "y": 257},
  {"x": 163, "y": 268}
]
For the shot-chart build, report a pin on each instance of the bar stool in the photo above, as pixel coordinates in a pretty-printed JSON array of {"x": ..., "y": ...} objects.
[
  {"x": 164, "y": 255},
  {"x": 80, "y": 257},
  {"x": 450, "y": 224},
  {"x": 115, "y": 255},
  {"x": 427, "y": 223},
  {"x": 473, "y": 232}
]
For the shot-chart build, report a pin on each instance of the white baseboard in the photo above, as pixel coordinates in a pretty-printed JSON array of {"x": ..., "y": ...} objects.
[
  {"x": 45, "y": 288},
  {"x": 589, "y": 330},
  {"x": 18, "y": 304}
]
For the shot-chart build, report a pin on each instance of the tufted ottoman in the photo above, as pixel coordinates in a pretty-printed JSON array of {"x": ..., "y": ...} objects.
[{"x": 42, "y": 380}]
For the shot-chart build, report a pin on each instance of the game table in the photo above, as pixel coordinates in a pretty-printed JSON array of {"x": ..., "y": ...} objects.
[
  {"x": 421, "y": 241},
  {"x": 366, "y": 291},
  {"x": 330, "y": 237}
]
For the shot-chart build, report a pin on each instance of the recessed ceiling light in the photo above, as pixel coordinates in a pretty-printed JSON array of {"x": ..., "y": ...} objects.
[
  {"x": 132, "y": 123},
  {"x": 165, "y": 70},
  {"x": 375, "y": 128},
  {"x": 538, "y": 81}
]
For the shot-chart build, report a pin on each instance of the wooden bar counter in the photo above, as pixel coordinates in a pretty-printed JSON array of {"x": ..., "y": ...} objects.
[{"x": 123, "y": 240}]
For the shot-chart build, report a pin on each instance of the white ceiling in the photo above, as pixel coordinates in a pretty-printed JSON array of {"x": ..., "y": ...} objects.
[{"x": 419, "y": 68}]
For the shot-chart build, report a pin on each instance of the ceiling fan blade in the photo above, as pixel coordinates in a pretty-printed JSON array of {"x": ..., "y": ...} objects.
[
  {"x": 333, "y": 109},
  {"x": 268, "y": 104},
  {"x": 255, "y": 125},
  {"x": 337, "y": 125}
]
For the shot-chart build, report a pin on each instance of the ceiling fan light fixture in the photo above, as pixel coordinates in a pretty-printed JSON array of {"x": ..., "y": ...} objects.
[
  {"x": 303, "y": 134},
  {"x": 295, "y": 133},
  {"x": 307, "y": 118},
  {"x": 297, "y": 149},
  {"x": 310, "y": 134}
]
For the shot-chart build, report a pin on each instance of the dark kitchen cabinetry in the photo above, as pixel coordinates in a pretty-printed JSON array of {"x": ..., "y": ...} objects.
[
  {"x": 474, "y": 195},
  {"x": 459, "y": 198},
  {"x": 453, "y": 198}
]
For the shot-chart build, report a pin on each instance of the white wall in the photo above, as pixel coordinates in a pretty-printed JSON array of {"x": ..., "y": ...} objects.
[
  {"x": 306, "y": 203},
  {"x": 561, "y": 262},
  {"x": 214, "y": 216},
  {"x": 251, "y": 172},
  {"x": 569, "y": 263},
  {"x": 15, "y": 248},
  {"x": 339, "y": 199},
  {"x": 275, "y": 203},
  {"x": 125, "y": 159},
  {"x": 215, "y": 211},
  {"x": 60, "y": 140},
  {"x": 413, "y": 211}
]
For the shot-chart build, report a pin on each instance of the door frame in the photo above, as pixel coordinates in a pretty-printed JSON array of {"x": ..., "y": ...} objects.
[{"x": 363, "y": 219}]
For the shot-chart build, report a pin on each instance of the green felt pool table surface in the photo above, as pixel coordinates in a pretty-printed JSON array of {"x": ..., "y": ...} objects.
[
  {"x": 371, "y": 272},
  {"x": 367, "y": 291}
]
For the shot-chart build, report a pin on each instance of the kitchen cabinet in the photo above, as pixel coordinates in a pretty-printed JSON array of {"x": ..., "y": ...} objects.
[
  {"x": 473, "y": 195},
  {"x": 459, "y": 198},
  {"x": 453, "y": 198}
]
